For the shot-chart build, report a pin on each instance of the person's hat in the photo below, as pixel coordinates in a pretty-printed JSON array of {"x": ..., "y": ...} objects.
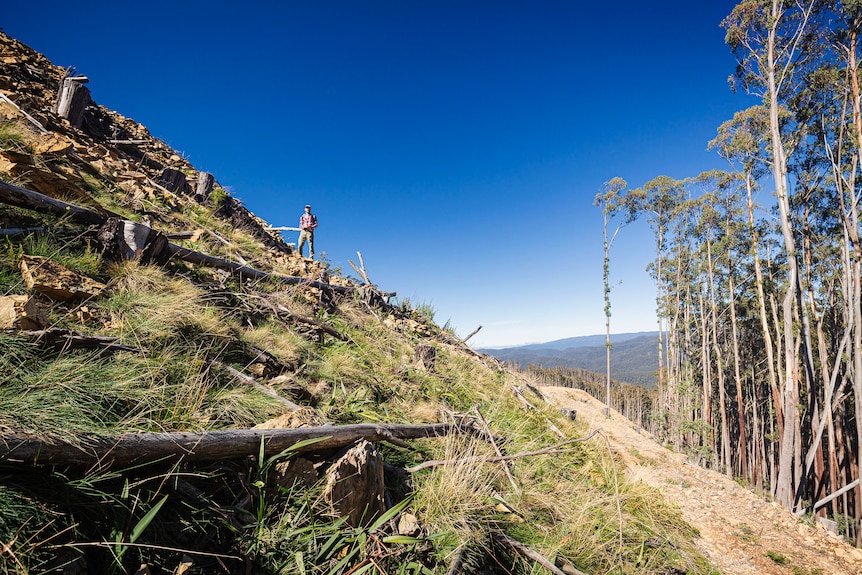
[{"x": 307, "y": 206}]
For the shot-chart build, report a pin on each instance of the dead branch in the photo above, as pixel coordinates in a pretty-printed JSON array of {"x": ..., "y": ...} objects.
[
  {"x": 828, "y": 498},
  {"x": 247, "y": 380},
  {"x": 103, "y": 452},
  {"x": 68, "y": 339},
  {"x": 554, "y": 449},
  {"x": 487, "y": 430},
  {"x": 527, "y": 552},
  {"x": 281, "y": 310},
  {"x": 32, "y": 120},
  {"x": 527, "y": 405},
  {"x": 360, "y": 270},
  {"x": 472, "y": 333}
]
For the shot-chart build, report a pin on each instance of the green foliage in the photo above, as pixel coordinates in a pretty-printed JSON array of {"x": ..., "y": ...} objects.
[
  {"x": 776, "y": 557},
  {"x": 424, "y": 309},
  {"x": 218, "y": 197},
  {"x": 11, "y": 136}
]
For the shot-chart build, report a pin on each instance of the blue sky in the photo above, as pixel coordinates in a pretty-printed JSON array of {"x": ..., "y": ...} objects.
[{"x": 457, "y": 145}]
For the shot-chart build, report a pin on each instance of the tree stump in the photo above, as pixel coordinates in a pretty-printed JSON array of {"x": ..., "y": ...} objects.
[
  {"x": 297, "y": 472},
  {"x": 204, "y": 187},
  {"x": 72, "y": 99},
  {"x": 354, "y": 485},
  {"x": 126, "y": 240},
  {"x": 174, "y": 180},
  {"x": 569, "y": 413},
  {"x": 425, "y": 356}
]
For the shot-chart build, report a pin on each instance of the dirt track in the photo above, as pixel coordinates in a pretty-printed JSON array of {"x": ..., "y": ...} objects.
[{"x": 741, "y": 533}]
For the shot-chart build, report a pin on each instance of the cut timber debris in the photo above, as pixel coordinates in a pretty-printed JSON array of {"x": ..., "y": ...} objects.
[
  {"x": 30, "y": 200},
  {"x": 136, "y": 448}
]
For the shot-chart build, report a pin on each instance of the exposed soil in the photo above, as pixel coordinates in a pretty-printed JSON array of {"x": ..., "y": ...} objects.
[{"x": 741, "y": 532}]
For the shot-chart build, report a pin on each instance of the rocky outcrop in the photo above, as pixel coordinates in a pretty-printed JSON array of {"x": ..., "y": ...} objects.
[{"x": 57, "y": 282}]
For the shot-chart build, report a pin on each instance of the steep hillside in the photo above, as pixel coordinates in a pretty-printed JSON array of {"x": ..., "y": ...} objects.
[{"x": 180, "y": 392}]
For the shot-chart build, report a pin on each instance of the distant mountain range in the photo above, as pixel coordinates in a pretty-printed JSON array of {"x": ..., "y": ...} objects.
[{"x": 634, "y": 356}]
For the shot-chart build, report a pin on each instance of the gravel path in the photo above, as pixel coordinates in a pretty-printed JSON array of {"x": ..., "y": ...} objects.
[{"x": 741, "y": 532}]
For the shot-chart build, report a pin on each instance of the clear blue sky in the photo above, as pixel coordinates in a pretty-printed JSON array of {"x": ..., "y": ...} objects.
[{"x": 457, "y": 145}]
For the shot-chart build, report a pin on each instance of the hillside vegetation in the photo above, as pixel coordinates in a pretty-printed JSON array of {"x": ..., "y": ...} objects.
[{"x": 103, "y": 347}]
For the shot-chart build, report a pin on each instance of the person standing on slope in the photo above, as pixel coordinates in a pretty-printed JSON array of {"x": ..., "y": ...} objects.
[{"x": 307, "y": 224}]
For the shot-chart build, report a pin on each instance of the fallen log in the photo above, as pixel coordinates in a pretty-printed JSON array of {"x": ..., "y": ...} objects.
[
  {"x": 30, "y": 200},
  {"x": 194, "y": 257},
  {"x": 102, "y": 452}
]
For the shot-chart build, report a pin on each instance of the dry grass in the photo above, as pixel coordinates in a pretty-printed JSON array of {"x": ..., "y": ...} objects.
[{"x": 147, "y": 304}]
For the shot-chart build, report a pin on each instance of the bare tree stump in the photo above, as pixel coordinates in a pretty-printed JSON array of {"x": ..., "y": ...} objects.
[
  {"x": 569, "y": 413},
  {"x": 204, "y": 187},
  {"x": 72, "y": 99},
  {"x": 354, "y": 485},
  {"x": 126, "y": 240},
  {"x": 174, "y": 180},
  {"x": 425, "y": 356}
]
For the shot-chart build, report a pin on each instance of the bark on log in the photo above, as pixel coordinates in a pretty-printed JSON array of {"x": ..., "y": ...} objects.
[
  {"x": 174, "y": 180},
  {"x": 29, "y": 200},
  {"x": 136, "y": 448}
]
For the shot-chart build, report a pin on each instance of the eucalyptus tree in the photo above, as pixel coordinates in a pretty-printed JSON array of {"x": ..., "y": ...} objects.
[
  {"x": 661, "y": 198},
  {"x": 741, "y": 141},
  {"x": 771, "y": 40},
  {"x": 847, "y": 39},
  {"x": 619, "y": 208}
]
